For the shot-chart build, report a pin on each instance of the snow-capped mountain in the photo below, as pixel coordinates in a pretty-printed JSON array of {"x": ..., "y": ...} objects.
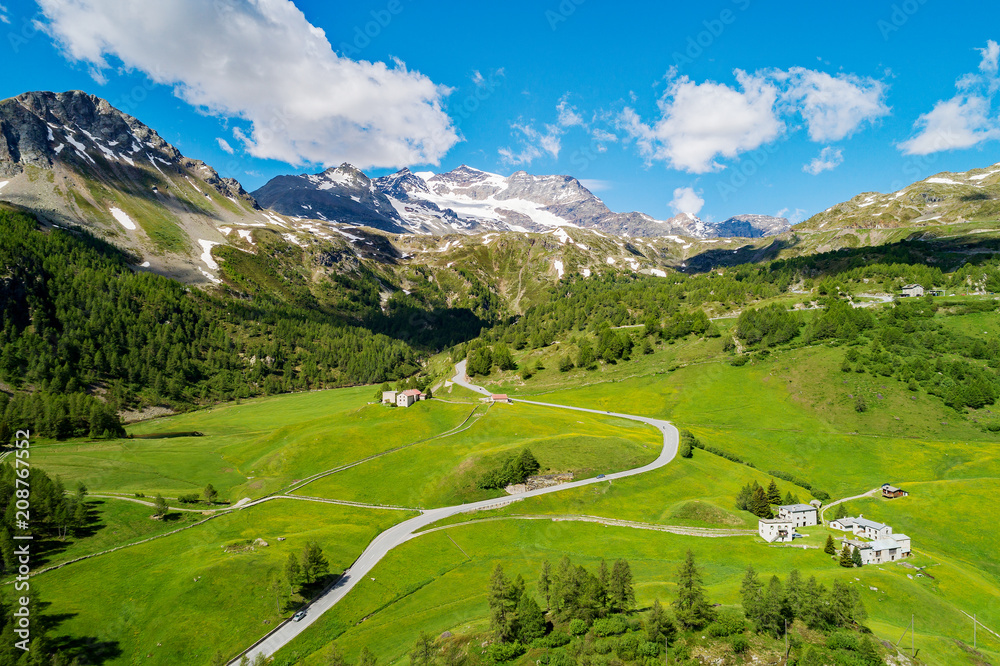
[
  {"x": 751, "y": 226},
  {"x": 465, "y": 200}
]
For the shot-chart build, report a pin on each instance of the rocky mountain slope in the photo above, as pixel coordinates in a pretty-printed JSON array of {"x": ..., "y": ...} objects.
[
  {"x": 945, "y": 198},
  {"x": 71, "y": 158},
  {"x": 467, "y": 200}
]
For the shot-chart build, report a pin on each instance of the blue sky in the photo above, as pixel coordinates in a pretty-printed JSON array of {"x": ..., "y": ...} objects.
[{"x": 715, "y": 108}]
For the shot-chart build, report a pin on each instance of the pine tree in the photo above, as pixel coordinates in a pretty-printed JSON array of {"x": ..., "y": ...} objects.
[
  {"x": 772, "y": 617},
  {"x": 603, "y": 585},
  {"x": 621, "y": 592},
  {"x": 314, "y": 563},
  {"x": 773, "y": 494},
  {"x": 845, "y": 556},
  {"x": 530, "y": 620},
  {"x": 503, "y": 613},
  {"x": 367, "y": 658},
  {"x": 210, "y": 493},
  {"x": 830, "y": 548},
  {"x": 789, "y": 499},
  {"x": 693, "y": 610},
  {"x": 752, "y": 594},
  {"x": 793, "y": 594},
  {"x": 545, "y": 584},
  {"x": 659, "y": 626},
  {"x": 160, "y": 506},
  {"x": 423, "y": 651},
  {"x": 856, "y": 557},
  {"x": 293, "y": 572},
  {"x": 759, "y": 505}
]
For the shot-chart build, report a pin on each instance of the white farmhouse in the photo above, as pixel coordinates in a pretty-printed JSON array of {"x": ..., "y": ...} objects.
[
  {"x": 870, "y": 529},
  {"x": 802, "y": 515},
  {"x": 886, "y": 549},
  {"x": 776, "y": 529}
]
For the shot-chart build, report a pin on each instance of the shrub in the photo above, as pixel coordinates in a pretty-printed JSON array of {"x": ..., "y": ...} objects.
[
  {"x": 191, "y": 498},
  {"x": 842, "y": 640},
  {"x": 553, "y": 640},
  {"x": 649, "y": 649},
  {"x": 627, "y": 647},
  {"x": 739, "y": 361},
  {"x": 604, "y": 646},
  {"x": 740, "y": 644},
  {"x": 730, "y": 621},
  {"x": 578, "y": 627},
  {"x": 498, "y": 653},
  {"x": 610, "y": 626}
]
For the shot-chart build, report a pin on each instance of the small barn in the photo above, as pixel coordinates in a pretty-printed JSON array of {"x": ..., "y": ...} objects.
[
  {"x": 912, "y": 291},
  {"x": 500, "y": 397},
  {"x": 892, "y": 492},
  {"x": 389, "y": 397}
]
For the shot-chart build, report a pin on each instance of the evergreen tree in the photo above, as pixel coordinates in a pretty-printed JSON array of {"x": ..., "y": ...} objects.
[
  {"x": 845, "y": 556},
  {"x": 869, "y": 653},
  {"x": 759, "y": 505},
  {"x": 210, "y": 494},
  {"x": 314, "y": 564},
  {"x": 335, "y": 657},
  {"x": 789, "y": 499},
  {"x": 752, "y": 595},
  {"x": 772, "y": 616},
  {"x": 856, "y": 556},
  {"x": 693, "y": 610},
  {"x": 503, "y": 609},
  {"x": 659, "y": 626},
  {"x": 773, "y": 494},
  {"x": 603, "y": 585},
  {"x": 813, "y": 605},
  {"x": 530, "y": 620},
  {"x": 793, "y": 594},
  {"x": 545, "y": 584},
  {"x": 830, "y": 548},
  {"x": 845, "y": 605},
  {"x": 620, "y": 592},
  {"x": 367, "y": 658},
  {"x": 423, "y": 650},
  {"x": 160, "y": 507}
]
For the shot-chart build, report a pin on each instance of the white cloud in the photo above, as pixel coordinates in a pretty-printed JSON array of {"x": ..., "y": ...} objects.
[
  {"x": 991, "y": 54},
  {"x": 568, "y": 116},
  {"x": 701, "y": 122},
  {"x": 833, "y": 106},
  {"x": 686, "y": 200},
  {"x": 224, "y": 145},
  {"x": 263, "y": 62},
  {"x": 604, "y": 136},
  {"x": 3, "y": 15},
  {"x": 960, "y": 122},
  {"x": 793, "y": 216},
  {"x": 828, "y": 159},
  {"x": 966, "y": 119},
  {"x": 534, "y": 144},
  {"x": 478, "y": 78}
]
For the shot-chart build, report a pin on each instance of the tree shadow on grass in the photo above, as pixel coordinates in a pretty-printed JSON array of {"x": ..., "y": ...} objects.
[{"x": 87, "y": 649}]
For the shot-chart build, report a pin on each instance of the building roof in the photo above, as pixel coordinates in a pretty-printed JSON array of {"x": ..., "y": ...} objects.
[
  {"x": 797, "y": 508},
  {"x": 844, "y": 521},
  {"x": 411, "y": 392},
  {"x": 864, "y": 522},
  {"x": 883, "y": 544},
  {"x": 913, "y": 286},
  {"x": 499, "y": 396},
  {"x": 899, "y": 537},
  {"x": 891, "y": 489},
  {"x": 775, "y": 521}
]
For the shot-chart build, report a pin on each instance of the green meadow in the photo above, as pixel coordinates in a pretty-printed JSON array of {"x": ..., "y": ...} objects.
[
  {"x": 444, "y": 471},
  {"x": 178, "y": 599},
  {"x": 249, "y": 449},
  {"x": 438, "y": 582}
]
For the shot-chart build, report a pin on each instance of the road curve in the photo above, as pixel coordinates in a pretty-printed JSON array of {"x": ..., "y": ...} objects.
[{"x": 403, "y": 532}]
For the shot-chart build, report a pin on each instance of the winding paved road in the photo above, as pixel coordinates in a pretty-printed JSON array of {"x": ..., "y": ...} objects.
[{"x": 403, "y": 532}]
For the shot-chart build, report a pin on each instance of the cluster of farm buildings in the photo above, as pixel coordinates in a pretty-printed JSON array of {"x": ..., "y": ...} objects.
[{"x": 875, "y": 541}]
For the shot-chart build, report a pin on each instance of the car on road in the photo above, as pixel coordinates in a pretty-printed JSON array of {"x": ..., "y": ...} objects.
[
  {"x": 298, "y": 616},
  {"x": 600, "y": 476}
]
